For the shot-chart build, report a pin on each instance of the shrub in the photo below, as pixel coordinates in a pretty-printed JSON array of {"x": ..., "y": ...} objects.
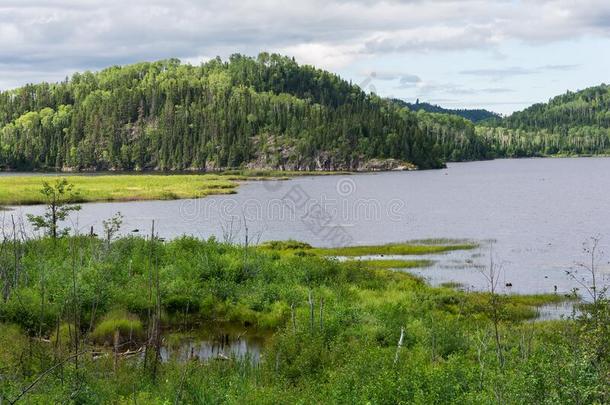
[{"x": 25, "y": 308}]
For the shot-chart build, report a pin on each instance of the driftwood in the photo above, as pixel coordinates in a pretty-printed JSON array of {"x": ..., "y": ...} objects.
[
  {"x": 222, "y": 356},
  {"x": 129, "y": 353}
]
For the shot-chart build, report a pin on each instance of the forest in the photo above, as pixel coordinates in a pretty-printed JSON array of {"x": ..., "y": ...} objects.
[
  {"x": 266, "y": 111},
  {"x": 575, "y": 123},
  {"x": 474, "y": 115},
  {"x": 271, "y": 113}
]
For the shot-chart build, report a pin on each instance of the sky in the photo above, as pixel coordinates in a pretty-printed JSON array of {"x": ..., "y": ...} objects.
[{"x": 503, "y": 55}]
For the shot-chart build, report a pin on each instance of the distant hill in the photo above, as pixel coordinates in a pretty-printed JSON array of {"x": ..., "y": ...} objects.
[
  {"x": 588, "y": 107},
  {"x": 572, "y": 123},
  {"x": 475, "y": 115},
  {"x": 261, "y": 112}
]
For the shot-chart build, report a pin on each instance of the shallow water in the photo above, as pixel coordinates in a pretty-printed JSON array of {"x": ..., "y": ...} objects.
[
  {"x": 215, "y": 343},
  {"x": 537, "y": 212},
  {"x": 561, "y": 310}
]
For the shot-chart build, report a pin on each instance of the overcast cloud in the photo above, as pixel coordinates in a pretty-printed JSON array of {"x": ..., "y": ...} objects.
[{"x": 46, "y": 40}]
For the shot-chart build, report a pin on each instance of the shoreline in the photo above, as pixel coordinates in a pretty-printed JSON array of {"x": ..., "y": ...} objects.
[
  {"x": 24, "y": 186},
  {"x": 23, "y": 189}
]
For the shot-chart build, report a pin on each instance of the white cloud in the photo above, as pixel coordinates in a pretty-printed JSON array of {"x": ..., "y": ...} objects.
[
  {"x": 59, "y": 36},
  {"x": 324, "y": 56},
  {"x": 505, "y": 72}
]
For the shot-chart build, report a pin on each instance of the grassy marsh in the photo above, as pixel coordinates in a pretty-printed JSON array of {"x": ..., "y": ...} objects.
[
  {"x": 333, "y": 329},
  {"x": 25, "y": 190},
  {"x": 407, "y": 248},
  {"x": 396, "y": 264},
  {"x": 392, "y": 249}
]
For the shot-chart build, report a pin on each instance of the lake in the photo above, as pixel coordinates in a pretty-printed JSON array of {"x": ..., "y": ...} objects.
[{"x": 531, "y": 215}]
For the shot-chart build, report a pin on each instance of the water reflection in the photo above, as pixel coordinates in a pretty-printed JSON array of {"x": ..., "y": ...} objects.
[{"x": 219, "y": 342}]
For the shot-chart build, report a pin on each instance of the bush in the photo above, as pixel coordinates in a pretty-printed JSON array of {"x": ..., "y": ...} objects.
[{"x": 25, "y": 308}]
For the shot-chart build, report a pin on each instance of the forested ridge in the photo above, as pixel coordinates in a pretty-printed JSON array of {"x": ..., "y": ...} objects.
[
  {"x": 266, "y": 112},
  {"x": 263, "y": 112},
  {"x": 572, "y": 123}
]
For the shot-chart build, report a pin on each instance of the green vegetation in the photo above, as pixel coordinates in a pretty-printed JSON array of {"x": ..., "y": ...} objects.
[
  {"x": 285, "y": 245},
  {"x": 59, "y": 199},
  {"x": 352, "y": 331},
  {"x": 391, "y": 249},
  {"x": 455, "y": 138},
  {"x": 26, "y": 189},
  {"x": 333, "y": 330},
  {"x": 572, "y": 124},
  {"x": 423, "y": 247},
  {"x": 452, "y": 284},
  {"x": 126, "y": 325}
]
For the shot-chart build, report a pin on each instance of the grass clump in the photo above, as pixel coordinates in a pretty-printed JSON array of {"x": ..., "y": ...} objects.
[
  {"x": 128, "y": 326},
  {"x": 285, "y": 245}
]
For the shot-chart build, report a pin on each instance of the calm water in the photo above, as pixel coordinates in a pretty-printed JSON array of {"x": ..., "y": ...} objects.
[
  {"x": 537, "y": 212},
  {"x": 216, "y": 342}
]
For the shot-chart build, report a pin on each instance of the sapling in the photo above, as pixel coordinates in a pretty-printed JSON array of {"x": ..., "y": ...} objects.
[
  {"x": 496, "y": 304},
  {"x": 59, "y": 199},
  {"x": 112, "y": 226}
]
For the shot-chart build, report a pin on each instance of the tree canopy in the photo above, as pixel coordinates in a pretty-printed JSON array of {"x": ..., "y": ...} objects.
[{"x": 268, "y": 112}]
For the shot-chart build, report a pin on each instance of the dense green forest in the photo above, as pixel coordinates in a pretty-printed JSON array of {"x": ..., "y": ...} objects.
[
  {"x": 474, "y": 115},
  {"x": 573, "y": 123},
  {"x": 266, "y": 111},
  {"x": 454, "y": 137}
]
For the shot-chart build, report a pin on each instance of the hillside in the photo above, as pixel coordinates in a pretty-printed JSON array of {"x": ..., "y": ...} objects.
[
  {"x": 264, "y": 112},
  {"x": 588, "y": 107},
  {"x": 474, "y": 115},
  {"x": 573, "y": 123}
]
